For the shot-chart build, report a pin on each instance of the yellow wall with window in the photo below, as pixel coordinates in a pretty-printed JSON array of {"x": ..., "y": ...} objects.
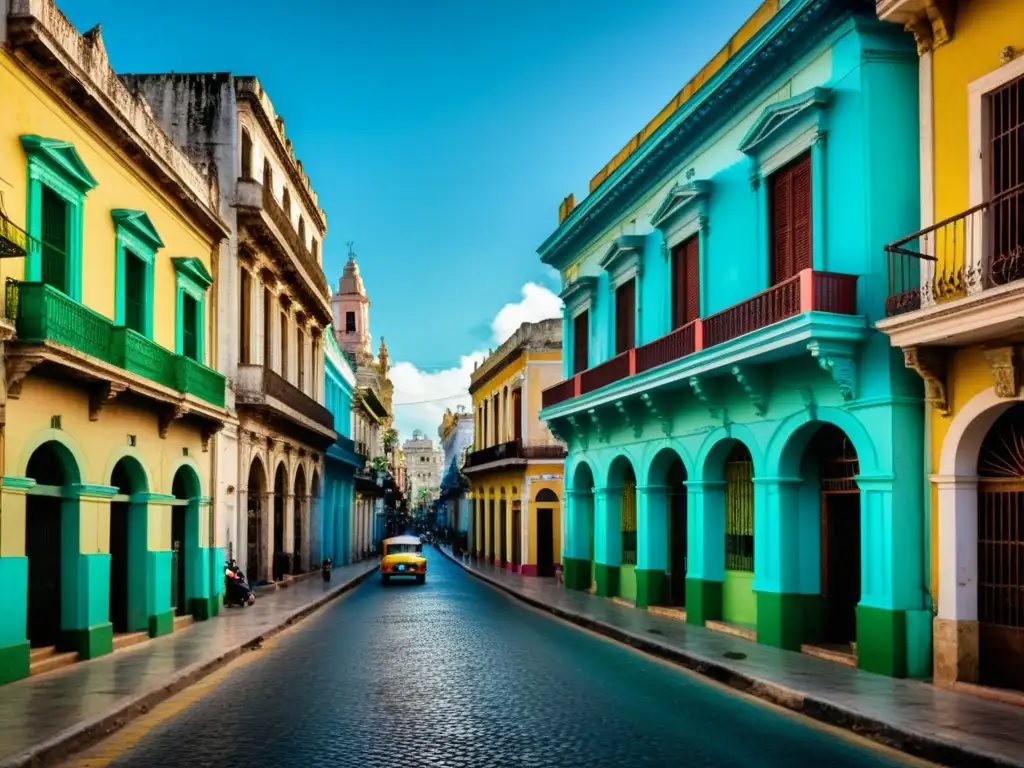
[
  {"x": 31, "y": 109},
  {"x": 496, "y": 386}
]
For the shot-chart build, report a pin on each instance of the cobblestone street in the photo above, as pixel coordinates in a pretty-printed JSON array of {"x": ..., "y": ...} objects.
[{"x": 456, "y": 674}]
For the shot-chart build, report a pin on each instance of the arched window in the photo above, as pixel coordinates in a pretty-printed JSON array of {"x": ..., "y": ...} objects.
[
  {"x": 286, "y": 201},
  {"x": 302, "y": 230},
  {"x": 246, "y": 155},
  {"x": 268, "y": 175},
  {"x": 316, "y": 250}
]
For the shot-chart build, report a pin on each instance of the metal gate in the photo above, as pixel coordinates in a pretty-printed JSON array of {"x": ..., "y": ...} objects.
[
  {"x": 840, "y": 533},
  {"x": 1001, "y": 552},
  {"x": 517, "y": 534},
  {"x": 503, "y": 534},
  {"x": 628, "y": 502},
  {"x": 739, "y": 510},
  {"x": 254, "y": 569},
  {"x": 42, "y": 540}
]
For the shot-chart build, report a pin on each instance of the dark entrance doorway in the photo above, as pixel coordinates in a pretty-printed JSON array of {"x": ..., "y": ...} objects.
[
  {"x": 257, "y": 490},
  {"x": 279, "y": 554},
  {"x": 43, "y": 531},
  {"x": 676, "y": 500},
  {"x": 840, "y": 534},
  {"x": 127, "y": 536},
  {"x": 546, "y": 532},
  {"x": 491, "y": 554},
  {"x": 502, "y": 535},
  {"x": 1001, "y": 553},
  {"x": 179, "y": 517},
  {"x": 517, "y": 534},
  {"x": 184, "y": 538},
  {"x": 298, "y": 550}
]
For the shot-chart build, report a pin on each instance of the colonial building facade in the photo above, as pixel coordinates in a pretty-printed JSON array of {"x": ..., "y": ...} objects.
[
  {"x": 744, "y": 446},
  {"x": 113, "y": 240},
  {"x": 955, "y": 301},
  {"x": 423, "y": 463},
  {"x": 342, "y": 460},
  {"x": 516, "y": 467},
  {"x": 275, "y": 304},
  {"x": 456, "y": 434}
]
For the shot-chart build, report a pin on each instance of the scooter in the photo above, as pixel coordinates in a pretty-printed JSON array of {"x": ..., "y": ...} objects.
[
  {"x": 325, "y": 569},
  {"x": 236, "y": 588}
]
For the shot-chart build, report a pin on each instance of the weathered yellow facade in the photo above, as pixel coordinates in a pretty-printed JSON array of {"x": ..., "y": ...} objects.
[
  {"x": 110, "y": 399},
  {"x": 959, "y": 287},
  {"x": 516, "y": 466}
]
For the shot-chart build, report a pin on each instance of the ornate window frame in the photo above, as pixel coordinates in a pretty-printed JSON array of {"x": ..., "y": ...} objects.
[
  {"x": 623, "y": 261},
  {"x": 782, "y": 132},
  {"x": 134, "y": 232},
  {"x": 57, "y": 165},
  {"x": 192, "y": 278},
  {"x": 578, "y": 296},
  {"x": 682, "y": 214}
]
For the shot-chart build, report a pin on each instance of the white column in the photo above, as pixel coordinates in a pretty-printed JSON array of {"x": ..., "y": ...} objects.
[{"x": 958, "y": 547}]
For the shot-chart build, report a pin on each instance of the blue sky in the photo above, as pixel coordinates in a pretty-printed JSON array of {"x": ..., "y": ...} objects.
[{"x": 440, "y": 135}]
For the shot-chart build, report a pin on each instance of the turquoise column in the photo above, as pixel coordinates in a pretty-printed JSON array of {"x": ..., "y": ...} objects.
[
  {"x": 777, "y": 560},
  {"x": 198, "y": 558},
  {"x": 577, "y": 554},
  {"x": 705, "y": 550},
  {"x": 652, "y": 544},
  {"x": 85, "y": 562},
  {"x": 14, "y": 645},
  {"x": 607, "y": 540}
]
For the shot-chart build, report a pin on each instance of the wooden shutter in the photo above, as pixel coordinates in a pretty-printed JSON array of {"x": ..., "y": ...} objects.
[
  {"x": 581, "y": 342},
  {"x": 134, "y": 291},
  {"x": 790, "y": 192},
  {"x": 517, "y": 414},
  {"x": 245, "y": 316},
  {"x": 189, "y": 341},
  {"x": 54, "y": 239},
  {"x": 625, "y": 317},
  {"x": 686, "y": 282}
]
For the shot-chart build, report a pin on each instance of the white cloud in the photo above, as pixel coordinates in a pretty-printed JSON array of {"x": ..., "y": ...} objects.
[{"x": 414, "y": 386}]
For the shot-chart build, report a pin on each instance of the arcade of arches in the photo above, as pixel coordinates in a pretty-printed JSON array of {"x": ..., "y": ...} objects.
[
  {"x": 785, "y": 541},
  {"x": 96, "y": 562}
]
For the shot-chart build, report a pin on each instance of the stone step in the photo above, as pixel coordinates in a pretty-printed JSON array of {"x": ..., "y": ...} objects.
[
  {"x": 128, "y": 639},
  {"x": 182, "y": 622},
  {"x": 668, "y": 612},
  {"x": 51, "y": 661},
  {"x": 830, "y": 653},
  {"x": 38, "y": 654},
  {"x": 624, "y": 601},
  {"x": 736, "y": 630}
]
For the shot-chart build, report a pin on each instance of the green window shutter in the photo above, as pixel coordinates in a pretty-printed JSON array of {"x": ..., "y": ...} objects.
[
  {"x": 55, "y": 239},
  {"x": 189, "y": 339},
  {"x": 134, "y": 292}
]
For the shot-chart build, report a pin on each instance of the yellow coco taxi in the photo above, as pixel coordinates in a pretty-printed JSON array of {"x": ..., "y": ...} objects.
[{"x": 403, "y": 556}]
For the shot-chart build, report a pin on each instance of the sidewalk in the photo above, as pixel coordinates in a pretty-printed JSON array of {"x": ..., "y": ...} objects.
[
  {"x": 918, "y": 718},
  {"x": 44, "y": 718}
]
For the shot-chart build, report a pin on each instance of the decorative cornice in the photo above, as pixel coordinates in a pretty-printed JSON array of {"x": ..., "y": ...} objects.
[
  {"x": 932, "y": 365},
  {"x": 680, "y": 199},
  {"x": 803, "y": 109},
  {"x": 194, "y": 269},
  {"x": 838, "y": 359},
  {"x": 625, "y": 252},
  {"x": 63, "y": 155},
  {"x": 578, "y": 291},
  {"x": 139, "y": 224}
]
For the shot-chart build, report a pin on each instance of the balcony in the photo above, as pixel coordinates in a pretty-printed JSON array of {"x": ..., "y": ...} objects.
[
  {"x": 54, "y": 330},
  {"x": 284, "y": 404},
  {"x": 345, "y": 450},
  {"x": 959, "y": 281},
  {"x": 724, "y": 338},
  {"x": 266, "y": 223},
  {"x": 511, "y": 453}
]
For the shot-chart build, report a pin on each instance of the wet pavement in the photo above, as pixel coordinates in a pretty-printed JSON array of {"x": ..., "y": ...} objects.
[
  {"x": 928, "y": 720},
  {"x": 455, "y": 673},
  {"x": 55, "y": 706}
]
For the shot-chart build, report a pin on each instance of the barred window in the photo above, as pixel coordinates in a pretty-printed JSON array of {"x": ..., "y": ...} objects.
[
  {"x": 629, "y": 519},
  {"x": 739, "y": 510}
]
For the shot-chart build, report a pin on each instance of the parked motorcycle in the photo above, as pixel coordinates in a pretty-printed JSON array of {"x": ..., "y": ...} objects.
[
  {"x": 325, "y": 569},
  {"x": 236, "y": 588}
]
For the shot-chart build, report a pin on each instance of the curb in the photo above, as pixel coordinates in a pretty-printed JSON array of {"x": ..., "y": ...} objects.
[
  {"x": 83, "y": 735},
  {"x": 925, "y": 746}
]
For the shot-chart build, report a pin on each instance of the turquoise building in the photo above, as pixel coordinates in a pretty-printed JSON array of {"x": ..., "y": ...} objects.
[
  {"x": 744, "y": 447},
  {"x": 341, "y": 459}
]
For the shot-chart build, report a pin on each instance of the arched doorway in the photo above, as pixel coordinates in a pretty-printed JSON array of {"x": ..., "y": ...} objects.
[
  {"x": 662, "y": 572},
  {"x": 52, "y": 467},
  {"x": 516, "y": 555},
  {"x": 321, "y": 526},
  {"x": 128, "y": 547},
  {"x": 299, "y": 507},
  {"x": 280, "y": 487},
  {"x": 738, "y": 602},
  {"x": 502, "y": 532},
  {"x": 579, "y": 564},
  {"x": 491, "y": 552},
  {"x": 616, "y": 566},
  {"x": 1000, "y": 575},
  {"x": 547, "y": 524},
  {"x": 255, "y": 568},
  {"x": 184, "y": 540}
]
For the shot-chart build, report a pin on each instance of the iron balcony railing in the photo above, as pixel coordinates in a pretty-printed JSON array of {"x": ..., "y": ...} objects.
[
  {"x": 283, "y": 222},
  {"x": 14, "y": 241},
  {"x": 980, "y": 248},
  {"x": 43, "y": 313},
  {"x": 275, "y": 385},
  {"x": 513, "y": 449},
  {"x": 808, "y": 291}
]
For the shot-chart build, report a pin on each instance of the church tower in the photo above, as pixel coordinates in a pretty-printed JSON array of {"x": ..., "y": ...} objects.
[{"x": 351, "y": 309}]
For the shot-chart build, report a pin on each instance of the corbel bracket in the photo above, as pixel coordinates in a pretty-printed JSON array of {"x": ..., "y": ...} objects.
[
  {"x": 837, "y": 360},
  {"x": 169, "y": 415},
  {"x": 17, "y": 368},
  {"x": 561, "y": 429},
  {"x": 577, "y": 429},
  {"x": 706, "y": 391},
  {"x": 932, "y": 365},
  {"x": 658, "y": 409},
  {"x": 102, "y": 393},
  {"x": 810, "y": 401},
  {"x": 600, "y": 425},
  {"x": 756, "y": 384},
  {"x": 1002, "y": 362},
  {"x": 207, "y": 433},
  {"x": 632, "y": 415}
]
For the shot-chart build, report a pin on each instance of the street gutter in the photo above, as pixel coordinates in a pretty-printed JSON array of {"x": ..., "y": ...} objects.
[
  {"x": 86, "y": 733},
  {"x": 923, "y": 745}
]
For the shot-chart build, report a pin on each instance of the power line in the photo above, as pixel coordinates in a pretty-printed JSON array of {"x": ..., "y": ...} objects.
[{"x": 433, "y": 400}]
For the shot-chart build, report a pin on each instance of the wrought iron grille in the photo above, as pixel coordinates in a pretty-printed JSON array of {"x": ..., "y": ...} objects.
[
  {"x": 839, "y": 465},
  {"x": 739, "y": 510},
  {"x": 629, "y": 522}
]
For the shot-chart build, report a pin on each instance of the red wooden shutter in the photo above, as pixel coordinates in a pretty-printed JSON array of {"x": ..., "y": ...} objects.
[
  {"x": 801, "y": 214},
  {"x": 581, "y": 342},
  {"x": 692, "y": 280},
  {"x": 625, "y": 317},
  {"x": 782, "y": 265}
]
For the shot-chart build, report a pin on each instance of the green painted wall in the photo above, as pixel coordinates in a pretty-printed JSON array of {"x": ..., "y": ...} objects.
[
  {"x": 627, "y": 582},
  {"x": 739, "y": 604}
]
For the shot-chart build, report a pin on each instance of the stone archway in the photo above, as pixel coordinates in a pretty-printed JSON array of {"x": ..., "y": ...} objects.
[
  {"x": 578, "y": 559},
  {"x": 188, "y": 582},
  {"x": 255, "y": 516},
  {"x": 661, "y": 571},
  {"x": 129, "y": 529},
  {"x": 300, "y": 525},
  {"x": 279, "y": 564}
]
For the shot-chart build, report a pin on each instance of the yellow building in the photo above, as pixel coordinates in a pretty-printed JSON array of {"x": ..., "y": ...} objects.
[
  {"x": 516, "y": 465},
  {"x": 107, "y": 529},
  {"x": 955, "y": 305}
]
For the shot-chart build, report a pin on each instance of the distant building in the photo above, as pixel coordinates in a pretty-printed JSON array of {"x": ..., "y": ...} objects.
[
  {"x": 423, "y": 464},
  {"x": 342, "y": 462},
  {"x": 456, "y": 433}
]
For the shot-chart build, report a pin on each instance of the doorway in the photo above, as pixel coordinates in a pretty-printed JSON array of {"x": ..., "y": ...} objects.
[
  {"x": 517, "y": 534},
  {"x": 184, "y": 538},
  {"x": 254, "y": 567},
  {"x": 128, "y": 546},
  {"x": 298, "y": 548},
  {"x": 491, "y": 554},
  {"x": 179, "y": 602},
  {"x": 503, "y": 535},
  {"x": 546, "y": 532},
  {"x": 677, "y": 534},
  {"x": 279, "y": 555}
]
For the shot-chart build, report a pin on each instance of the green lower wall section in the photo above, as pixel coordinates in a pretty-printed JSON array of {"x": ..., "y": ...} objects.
[
  {"x": 158, "y": 583},
  {"x": 91, "y": 642},
  {"x": 739, "y": 606},
  {"x": 161, "y": 624},
  {"x": 576, "y": 574},
  {"x": 882, "y": 641},
  {"x": 218, "y": 558},
  {"x": 627, "y": 582},
  {"x": 85, "y": 598},
  {"x": 649, "y": 588},
  {"x": 703, "y": 601},
  {"x": 919, "y": 644},
  {"x": 787, "y": 620},
  {"x": 607, "y": 579},
  {"x": 14, "y": 662},
  {"x": 13, "y": 601}
]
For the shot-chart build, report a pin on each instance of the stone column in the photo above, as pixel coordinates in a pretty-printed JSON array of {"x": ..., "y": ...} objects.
[
  {"x": 155, "y": 614},
  {"x": 705, "y": 550},
  {"x": 266, "y": 542},
  {"x": 85, "y": 577},
  {"x": 14, "y": 645},
  {"x": 777, "y": 542},
  {"x": 607, "y": 539},
  {"x": 652, "y": 544}
]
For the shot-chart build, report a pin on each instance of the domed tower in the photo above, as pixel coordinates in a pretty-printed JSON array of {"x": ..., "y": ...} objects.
[
  {"x": 351, "y": 309},
  {"x": 383, "y": 371}
]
